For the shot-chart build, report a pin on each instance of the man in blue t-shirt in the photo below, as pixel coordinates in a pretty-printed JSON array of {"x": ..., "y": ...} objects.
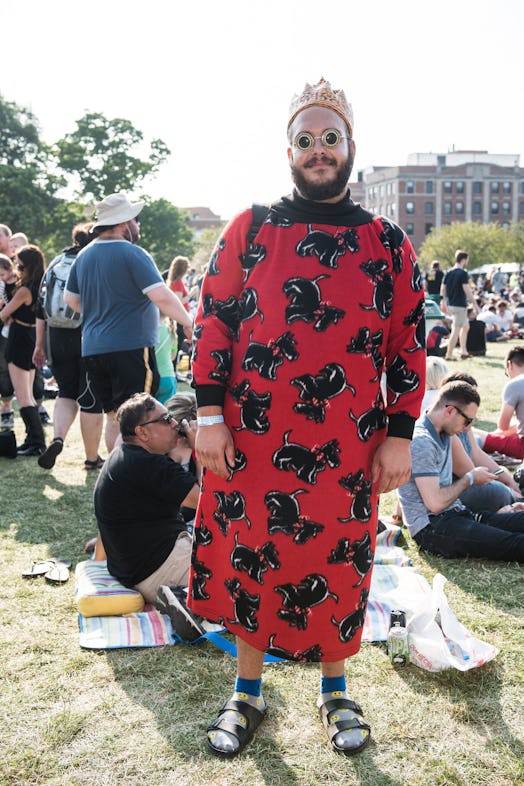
[
  {"x": 119, "y": 290},
  {"x": 456, "y": 293}
]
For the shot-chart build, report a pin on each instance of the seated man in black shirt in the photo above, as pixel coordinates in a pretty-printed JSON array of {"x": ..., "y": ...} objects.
[{"x": 138, "y": 497}]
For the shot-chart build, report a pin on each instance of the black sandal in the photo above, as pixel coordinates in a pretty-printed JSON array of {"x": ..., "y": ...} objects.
[
  {"x": 344, "y": 715},
  {"x": 96, "y": 464},
  {"x": 240, "y": 728}
]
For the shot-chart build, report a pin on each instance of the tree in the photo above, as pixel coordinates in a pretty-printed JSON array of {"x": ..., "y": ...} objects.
[
  {"x": 28, "y": 180},
  {"x": 164, "y": 232},
  {"x": 486, "y": 244},
  {"x": 98, "y": 155}
]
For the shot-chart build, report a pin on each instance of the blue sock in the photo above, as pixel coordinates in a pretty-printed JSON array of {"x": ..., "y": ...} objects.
[
  {"x": 251, "y": 687},
  {"x": 332, "y": 684}
]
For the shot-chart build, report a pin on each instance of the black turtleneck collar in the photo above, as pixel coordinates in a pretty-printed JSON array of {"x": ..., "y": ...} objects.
[{"x": 345, "y": 212}]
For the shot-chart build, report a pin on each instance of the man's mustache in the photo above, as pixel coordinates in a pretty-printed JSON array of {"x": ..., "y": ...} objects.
[{"x": 320, "y": 159}]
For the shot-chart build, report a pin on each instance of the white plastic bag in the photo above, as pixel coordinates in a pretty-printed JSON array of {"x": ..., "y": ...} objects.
[{"x": 438, "y": 641}]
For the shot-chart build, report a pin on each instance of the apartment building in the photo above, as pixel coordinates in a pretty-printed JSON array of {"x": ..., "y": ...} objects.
[{"x": 433, "y": 190}]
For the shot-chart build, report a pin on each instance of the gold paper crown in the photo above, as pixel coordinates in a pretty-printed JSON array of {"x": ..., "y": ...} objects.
[{"x": 322, "y": 94}]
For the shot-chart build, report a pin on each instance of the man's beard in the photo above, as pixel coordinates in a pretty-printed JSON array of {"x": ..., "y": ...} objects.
[{"x": 319, "y": 192}]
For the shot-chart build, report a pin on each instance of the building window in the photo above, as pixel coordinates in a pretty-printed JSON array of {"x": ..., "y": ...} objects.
[
  {"x": 410, "y": 207},
  {"x": 494, "y": 207},
  {"x": 447, "y": 187},
  {"x": 495, "y": 187},
  {"x": 460, "y": 186},
  {"x": 506, "y": 208},
  {"x": 477, "y": 208},
  {"x": 392, "y": 206},
  {"x": 477, "y": 187},
  {"x": 506, "y": 187},
  {"x": 459, "y": 208},
  {"x": 381, "y": 191},
  {"x": 427, "y": 228},
  {"x": 410, "y": 228},
  {"x": 428, "y": 208},
  {"x": 429, "y": 186},
  {"x": 521, "y": 208},
  {"x": 410, "y": 187},
  {"x": 447, "y": 208},
  {"x": 505, "y": 225}
]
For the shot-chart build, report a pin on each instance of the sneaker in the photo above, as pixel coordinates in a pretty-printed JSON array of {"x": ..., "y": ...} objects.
[
  {"x": 8, "y": 420},
  {"x": 185, "y": 625},
  {"x": 45, "y": 420},
  {"x": 48, "y": 457}
]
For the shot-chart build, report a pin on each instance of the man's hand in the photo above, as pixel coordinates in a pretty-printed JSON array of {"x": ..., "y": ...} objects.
[
  {"x": 391, "y": 465},
  {"x": 215, "y": 449}
]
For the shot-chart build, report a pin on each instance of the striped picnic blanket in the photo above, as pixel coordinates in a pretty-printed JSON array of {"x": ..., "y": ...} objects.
[{"x": 146, "y": 628}]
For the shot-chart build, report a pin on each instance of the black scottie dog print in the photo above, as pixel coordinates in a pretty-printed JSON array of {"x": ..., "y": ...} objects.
[
  {"x": 357, "y": 485},
  {"x": 245, "y": 605},
  {"x": 253, "y": 408},
  {"x": 255, "y": 562},
  {"x": 328, "y": 248},
  {"x": 230, "y": 507},
  {"x": 315, "y": 390},
  {"x": 400, "y": 379},
  {"x": 224, "y": 310},
  {"x": 348, "y": 626},
  {"x": 285, "y": 517},
  {"x": 306, "y": 463},
  {"x": 368, "y": 344},
  {"x": 306, "y": 304},
  {"x": 416, "y": 317},
  {"x": 311, "y": 655},
  {"x": 298, "y": 599},
  {"x": 222, "y": 370},
  {"x": 212, "y": 268},
  {"x": 383, "y": 291},
  {"x": 370, "y": 421},
  {"x": 392, "y": 237},
  {"x": 200, "y": 575},
  {"x": 266, "y": 358},
  {"x": 253, "y": 256},
  {"x": 358, "y": 553}
]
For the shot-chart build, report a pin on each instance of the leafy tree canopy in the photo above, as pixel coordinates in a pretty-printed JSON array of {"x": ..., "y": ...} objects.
[
  {"x": 486, "y": 244},
  {"x": 102, "y": 155},
  {"x": 164, "y": 232}
]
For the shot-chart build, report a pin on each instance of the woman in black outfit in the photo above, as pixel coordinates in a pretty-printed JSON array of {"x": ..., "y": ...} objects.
[{"x": 20, "y": 314}]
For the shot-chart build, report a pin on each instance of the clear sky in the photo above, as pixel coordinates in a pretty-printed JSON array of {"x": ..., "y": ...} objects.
[{"x": 214, "y": 79}]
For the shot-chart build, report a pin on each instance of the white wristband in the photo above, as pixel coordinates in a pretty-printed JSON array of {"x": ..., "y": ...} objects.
[
  {"x": 209, "y": 420},
  {"x": 471, "y": 477}
]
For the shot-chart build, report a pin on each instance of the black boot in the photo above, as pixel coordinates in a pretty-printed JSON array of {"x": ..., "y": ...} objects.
[{"x": 35, "y": 442}]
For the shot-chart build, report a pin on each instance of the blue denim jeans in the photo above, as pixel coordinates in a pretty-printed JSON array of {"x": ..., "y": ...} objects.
[{"x": 458, "y": 533}]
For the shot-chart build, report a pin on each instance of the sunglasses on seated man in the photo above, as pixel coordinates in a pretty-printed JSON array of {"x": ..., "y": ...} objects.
[{"x": 166, "y": 419}]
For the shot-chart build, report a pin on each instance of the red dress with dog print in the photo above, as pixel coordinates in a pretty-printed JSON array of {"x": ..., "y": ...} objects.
[{"x": 293, "y": 334}]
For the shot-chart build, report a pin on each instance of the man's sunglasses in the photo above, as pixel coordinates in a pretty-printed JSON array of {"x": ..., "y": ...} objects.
[
  {"x": 166, "y": 419},
  {"x": 329, "y": 138},
  {"x": 468, "y": 421}
]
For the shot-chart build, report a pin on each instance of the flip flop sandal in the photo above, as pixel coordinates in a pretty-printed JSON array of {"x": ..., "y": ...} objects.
[
  {"x": 40, "y": 568},
  {"x": 58, "y": 574},
  {"x": 240, "y": 720},
  {"x": 345, "y": 715}
]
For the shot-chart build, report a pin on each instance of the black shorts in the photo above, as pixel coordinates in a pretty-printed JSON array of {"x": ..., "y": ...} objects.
[
  {"x": 20, "y": 346},
  {"x": 69, "y": 370},
  {"x": 116, "y": 376}
]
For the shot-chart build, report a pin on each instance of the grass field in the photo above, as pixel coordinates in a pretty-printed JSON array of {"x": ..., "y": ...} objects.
[{"x": 137, "y": 717}]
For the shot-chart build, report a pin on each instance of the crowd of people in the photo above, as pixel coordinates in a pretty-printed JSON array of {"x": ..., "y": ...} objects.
[
  {"x": 476, "y": 309},
  {"x": 253, "y": 502}
]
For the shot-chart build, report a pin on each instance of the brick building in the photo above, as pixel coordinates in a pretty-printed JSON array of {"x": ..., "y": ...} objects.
[{"x": 433, "y": 190}]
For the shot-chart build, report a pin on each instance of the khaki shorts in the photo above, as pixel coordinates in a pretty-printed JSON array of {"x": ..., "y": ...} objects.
[
  {"x": 174, "y": 571},
  {"x": 459, "y": 315}
]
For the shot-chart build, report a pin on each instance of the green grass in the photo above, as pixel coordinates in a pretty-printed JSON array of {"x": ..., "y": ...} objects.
[{"x": 75, "y": 717}]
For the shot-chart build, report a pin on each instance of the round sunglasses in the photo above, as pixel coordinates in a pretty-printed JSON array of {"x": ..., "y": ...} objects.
[{"x": 329, "y": 138}]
